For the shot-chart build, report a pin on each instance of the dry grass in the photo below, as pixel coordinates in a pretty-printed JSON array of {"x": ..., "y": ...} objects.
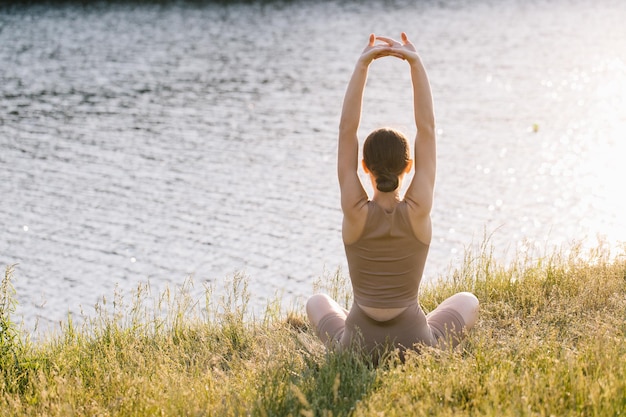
[{"x": 551, "y": 340}]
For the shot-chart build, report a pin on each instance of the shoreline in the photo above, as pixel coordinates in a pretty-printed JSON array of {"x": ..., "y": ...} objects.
[{"x": 549, "y": 333}]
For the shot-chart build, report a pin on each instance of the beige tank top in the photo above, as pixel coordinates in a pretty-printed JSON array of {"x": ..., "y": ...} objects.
[{"x": 387, "y": 262}]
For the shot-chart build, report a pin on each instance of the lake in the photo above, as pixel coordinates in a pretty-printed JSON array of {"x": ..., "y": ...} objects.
[{"x": 149, "y": 143}]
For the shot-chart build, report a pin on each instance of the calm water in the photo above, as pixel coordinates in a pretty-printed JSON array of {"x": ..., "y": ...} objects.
[{"x": 145, "y": 144}]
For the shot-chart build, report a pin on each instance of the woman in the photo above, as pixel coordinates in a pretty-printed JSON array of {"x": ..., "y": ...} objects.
[{"x": 387, "y": 238}]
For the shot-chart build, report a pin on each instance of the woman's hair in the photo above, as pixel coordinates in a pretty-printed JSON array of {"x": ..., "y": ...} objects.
[{"x": 386, "y": 154}]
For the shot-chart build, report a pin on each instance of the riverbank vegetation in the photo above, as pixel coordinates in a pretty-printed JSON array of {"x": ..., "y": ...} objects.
[{"x": 551, "y": 340}]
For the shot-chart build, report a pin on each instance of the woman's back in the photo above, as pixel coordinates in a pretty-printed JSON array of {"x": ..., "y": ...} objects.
[{"x": 387, "y": 261}]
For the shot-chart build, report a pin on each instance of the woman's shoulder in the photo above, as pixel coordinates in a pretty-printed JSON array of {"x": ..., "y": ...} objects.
[
  {"x": 354, "y": 225},
  {"x": 418, "y": 220}
]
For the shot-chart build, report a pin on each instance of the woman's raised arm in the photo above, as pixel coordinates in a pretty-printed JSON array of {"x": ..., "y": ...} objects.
[
  {"x": 353, "y": 196},
  {"x": 421, "y": 189}
]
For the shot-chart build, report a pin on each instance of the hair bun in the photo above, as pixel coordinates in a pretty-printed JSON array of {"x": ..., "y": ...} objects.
[{"x": 386, "y": 183}]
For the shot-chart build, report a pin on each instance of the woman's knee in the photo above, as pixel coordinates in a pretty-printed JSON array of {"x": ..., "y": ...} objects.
[
  {"x": 466, "y": 304},
  {"x": 469, "y": 299},
  {"x": 317, "y": 301},
  {"x": 318, "y": 305},
  {"x": 469, "y": 306}
]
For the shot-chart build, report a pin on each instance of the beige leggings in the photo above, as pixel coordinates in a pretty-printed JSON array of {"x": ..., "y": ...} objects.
[{"x": 442, "y": 327}]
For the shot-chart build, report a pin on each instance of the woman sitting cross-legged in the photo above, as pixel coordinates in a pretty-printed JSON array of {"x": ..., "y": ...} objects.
[{"x": 387, "y": 237}]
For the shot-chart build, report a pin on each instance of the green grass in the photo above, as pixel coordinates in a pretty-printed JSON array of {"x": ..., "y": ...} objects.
[{"x": 551, "y": 340}]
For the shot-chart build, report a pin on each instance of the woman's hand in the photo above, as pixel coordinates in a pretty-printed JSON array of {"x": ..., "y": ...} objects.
[
  {"x": 374, "y": 51},
  {"x": 404, "y": 50}
]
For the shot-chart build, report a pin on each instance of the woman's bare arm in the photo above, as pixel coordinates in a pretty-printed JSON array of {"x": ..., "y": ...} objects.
[
  {"x": 420, "y": 192},
  {"x": 353, "y": 196}
]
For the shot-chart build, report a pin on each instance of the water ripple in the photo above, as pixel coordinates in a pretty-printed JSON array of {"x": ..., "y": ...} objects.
[{"x": 147, "y": 143}]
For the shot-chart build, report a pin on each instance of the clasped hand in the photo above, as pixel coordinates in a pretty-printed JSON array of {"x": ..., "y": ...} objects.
[{"x": 389, "y": 47}]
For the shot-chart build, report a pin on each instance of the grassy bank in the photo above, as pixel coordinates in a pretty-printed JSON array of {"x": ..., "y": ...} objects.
[{"x": 551, "y": 340}]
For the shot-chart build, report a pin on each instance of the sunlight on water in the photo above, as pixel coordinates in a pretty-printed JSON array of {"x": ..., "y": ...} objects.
[
  {"x": 605, "y": 160},
  {"x": 587, "y": 162},
  {"x": 153, "y": 152}
]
